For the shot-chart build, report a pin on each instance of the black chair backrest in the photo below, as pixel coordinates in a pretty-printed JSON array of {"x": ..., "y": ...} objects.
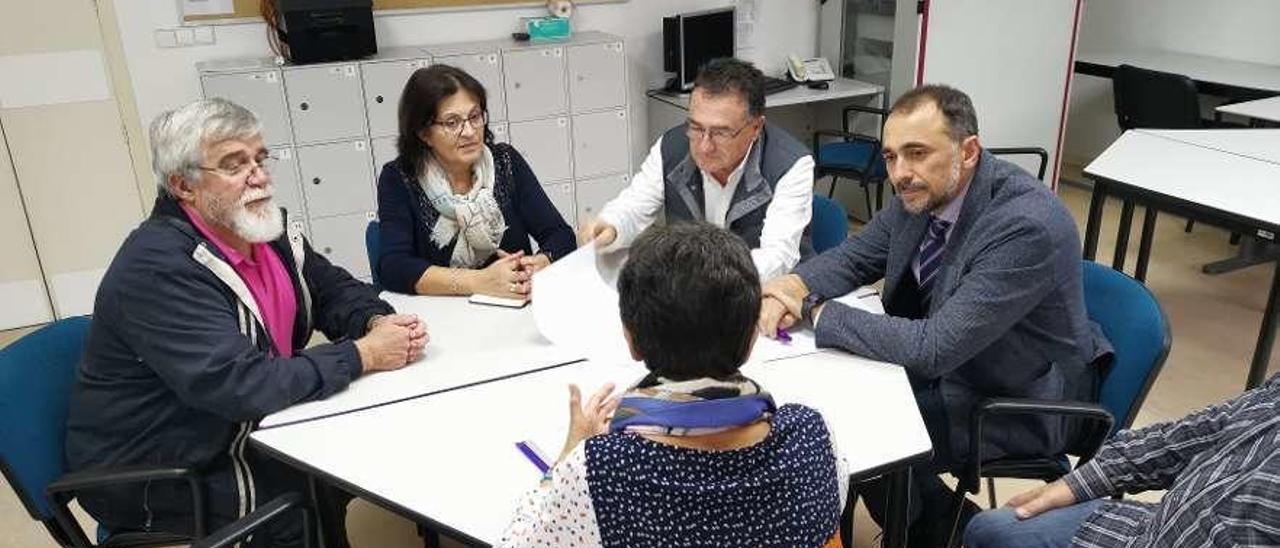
[{"x": 1153, "y": 99}]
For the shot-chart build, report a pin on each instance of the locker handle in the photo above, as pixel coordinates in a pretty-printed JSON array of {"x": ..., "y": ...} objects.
[
  {"x": 378, "y": 99},
  {"x": 304, "y": 106},
  {"x": 328, "y": 250},
  {"x": 315, "y": 180}
]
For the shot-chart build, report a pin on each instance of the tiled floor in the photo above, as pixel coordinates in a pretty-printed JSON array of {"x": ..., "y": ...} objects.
[{"x": 1215, "y": 322}]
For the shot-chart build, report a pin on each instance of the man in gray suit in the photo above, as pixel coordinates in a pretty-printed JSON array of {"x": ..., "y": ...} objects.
[{"x": 982, "y": 293}]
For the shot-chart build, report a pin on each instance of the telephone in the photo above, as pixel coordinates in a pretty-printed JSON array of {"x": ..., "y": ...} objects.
[{"x": 816, "y": 69}]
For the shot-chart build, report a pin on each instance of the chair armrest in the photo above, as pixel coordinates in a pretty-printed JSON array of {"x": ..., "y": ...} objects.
[
  {"x": 1015, "y": 151},
  {"x": 852, "y": 109},
  {"x": 1023, "y": 406},
  {"x": 848, "y": 138},
  {"x": 62, "y": 490},
  {"x": 249, "y": 524}
]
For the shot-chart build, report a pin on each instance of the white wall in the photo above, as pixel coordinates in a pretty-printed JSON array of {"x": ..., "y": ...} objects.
[
  {"x": 165, "y": 78},
  {"x": 1233, "y": 29}
]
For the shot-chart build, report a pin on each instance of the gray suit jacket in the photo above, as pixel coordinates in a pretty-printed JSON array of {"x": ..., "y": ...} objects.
[{"x": 1007, "y": 316}]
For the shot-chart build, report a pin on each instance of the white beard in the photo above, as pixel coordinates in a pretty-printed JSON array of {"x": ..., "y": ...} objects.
[{"x": 259, "y": 227}]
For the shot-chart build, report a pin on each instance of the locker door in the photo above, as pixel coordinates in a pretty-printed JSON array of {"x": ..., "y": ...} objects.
[
  {"x": 325, "y": 102},
  {"x": 600, "y": 143},
  {"x": 593, "y": 194},
  {"x": 284, "y": 177},
  {"x": 341, "y": 240},
  {"x": 487, "y": 68},
  {"x": 501, "y": 133},
  {"x": 335, "y": 179},
  {"x": 597, "y": 76},
  {"x": 384, "y": 150},
  {"x": 535, "y": 83},
  {"x": 545, "y": 145},
  {"x": 561, "y": 196},
  {"x": 22, "y": 287},
  {"x": 260, "y": 92},
  {"x": 383, "y": 85}
]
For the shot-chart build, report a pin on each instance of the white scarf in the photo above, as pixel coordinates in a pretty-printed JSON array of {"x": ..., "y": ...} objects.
[{"x": 476, "y": 212}]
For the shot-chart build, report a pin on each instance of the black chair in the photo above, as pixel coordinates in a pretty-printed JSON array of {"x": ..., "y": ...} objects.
[
  {"x": 851, "y": 155},
  {"x": 231, "y": 534},
  {"x": 1132, "y": 320},
  {"x": 1152, "y": 99},
  {"x": 1040, "y": 153}
]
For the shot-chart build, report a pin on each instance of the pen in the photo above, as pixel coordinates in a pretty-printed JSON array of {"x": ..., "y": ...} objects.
[
  {"x": 783, "y": 336},
  {"x": 530, "y": 451}
]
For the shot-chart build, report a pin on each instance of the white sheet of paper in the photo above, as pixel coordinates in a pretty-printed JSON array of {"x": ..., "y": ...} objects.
[{"x": 576, "y": 309}]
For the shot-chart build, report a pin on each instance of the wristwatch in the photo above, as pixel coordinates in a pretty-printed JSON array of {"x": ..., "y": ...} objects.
[{"x": 810, "y": 302}]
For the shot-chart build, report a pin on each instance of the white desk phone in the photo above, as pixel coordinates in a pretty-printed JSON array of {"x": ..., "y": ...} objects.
[{"x": 815, "y": 69}]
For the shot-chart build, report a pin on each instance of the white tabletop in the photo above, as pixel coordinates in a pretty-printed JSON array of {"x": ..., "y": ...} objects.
[
  {"x": 1259, "y": 144},
  {"x": 450, "y": 457},
  {"x": 1201, "y": 68},
  {"x": 1260, "y": 109},
  {"x": 840, "y": 88},
  {"x": 469, "y": 343},
  {"x": 1226, "y": 181}
]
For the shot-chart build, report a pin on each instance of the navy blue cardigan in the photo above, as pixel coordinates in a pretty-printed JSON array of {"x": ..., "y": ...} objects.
[{"x": 406, "y": 218}]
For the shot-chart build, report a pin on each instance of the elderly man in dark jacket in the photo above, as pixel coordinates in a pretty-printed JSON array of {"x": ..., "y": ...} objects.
[{"x": 200, "y": 329}]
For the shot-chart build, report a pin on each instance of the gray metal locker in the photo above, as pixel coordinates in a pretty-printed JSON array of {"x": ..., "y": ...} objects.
[
  {"x": 383, "y": 83},
  {"x": 561, "y": 196},
  {"x": 600, "y": 143},
  {"x": 545, "y": 146},
  {"x": 336, "y": 178},
  {"x": 325, "y": 103},
  {"x": 501, "y": 132},
  {"x": 258, "y": 91},
  {"x": 384, "y": 150},
  {"x": 535, "y": 83},
  {"x": 284, "y": 177},
  {"x": 594, "y": 193},
  {"x": 487, "y": 68},
  {"x": 341, "y": 240},
  {"x": 597, "y": 76}
]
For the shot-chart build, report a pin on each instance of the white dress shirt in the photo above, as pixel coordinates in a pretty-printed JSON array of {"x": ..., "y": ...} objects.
[{"x": 785, "y": 218}]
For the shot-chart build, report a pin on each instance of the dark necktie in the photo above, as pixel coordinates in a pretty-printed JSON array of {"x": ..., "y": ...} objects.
[{"x": 930, "y": 255}]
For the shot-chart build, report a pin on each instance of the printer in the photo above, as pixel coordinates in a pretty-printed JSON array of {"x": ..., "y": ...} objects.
[{"x": 318, "y": 31}]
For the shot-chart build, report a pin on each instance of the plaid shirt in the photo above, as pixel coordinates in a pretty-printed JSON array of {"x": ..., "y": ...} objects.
[{"x": 1221, "y": 466}]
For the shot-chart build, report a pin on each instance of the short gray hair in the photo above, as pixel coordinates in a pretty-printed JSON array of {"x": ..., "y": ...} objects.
[
  {"x": 178, "y": 136},
  {"x": 956, "y": 108}
]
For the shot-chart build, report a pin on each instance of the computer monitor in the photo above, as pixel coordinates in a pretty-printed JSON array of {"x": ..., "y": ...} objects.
[{"x": 690, "y": 40}]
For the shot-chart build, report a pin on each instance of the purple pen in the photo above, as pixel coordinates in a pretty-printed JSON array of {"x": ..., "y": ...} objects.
[
  {"x": 783, "y": 335},
  {"x": 531, "y": 452}
]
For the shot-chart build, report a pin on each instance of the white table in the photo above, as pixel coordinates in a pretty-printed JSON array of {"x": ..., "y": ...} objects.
[
  {"x": 1259, "y": 109},
  {"x": 1213, "y": 75},
  {"x": 449, "y": 460},
  {"x": 1192, "y": 175}
]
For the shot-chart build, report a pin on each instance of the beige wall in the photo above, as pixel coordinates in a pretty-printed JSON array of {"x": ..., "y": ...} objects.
[{"x": 64, "y": 120}]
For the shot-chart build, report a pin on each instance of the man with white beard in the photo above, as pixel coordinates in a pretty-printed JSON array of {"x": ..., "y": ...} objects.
[
  {"x": 200, "y": 329},
  {"x": 982, "y": 296}
]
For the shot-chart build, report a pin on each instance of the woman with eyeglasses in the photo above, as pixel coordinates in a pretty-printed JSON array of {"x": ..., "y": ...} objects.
[{"x": 455, "y": 209}]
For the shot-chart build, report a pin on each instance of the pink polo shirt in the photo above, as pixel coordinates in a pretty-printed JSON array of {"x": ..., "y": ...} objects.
[{"x": 268, "y": 281}]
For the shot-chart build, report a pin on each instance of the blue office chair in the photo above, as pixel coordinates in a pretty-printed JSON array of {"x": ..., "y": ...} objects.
[
  {"x": 36, "y": 374},
  {"x": 829, "y": 224},
  {"x": 851, "y": 156},
  {"x": 373, "y": 246},
  {"x": 1131, "y": 318}
]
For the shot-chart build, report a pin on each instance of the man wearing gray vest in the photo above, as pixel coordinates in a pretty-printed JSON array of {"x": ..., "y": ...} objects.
[{"x": 725, "y": 166}]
